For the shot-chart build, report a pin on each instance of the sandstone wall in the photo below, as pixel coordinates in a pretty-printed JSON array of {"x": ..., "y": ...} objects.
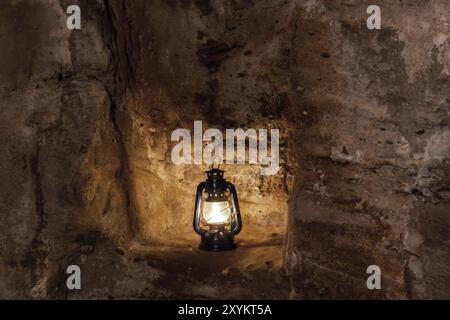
[
  {"x": 372, "y": 187},
  {"x": 86, "y": 118},
  {"x": 61, "y": 173},
  {"x": 220, "y": 63}
]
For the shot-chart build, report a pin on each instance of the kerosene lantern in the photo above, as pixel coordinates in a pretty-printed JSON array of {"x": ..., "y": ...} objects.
[{"x": 217, "y": 218}]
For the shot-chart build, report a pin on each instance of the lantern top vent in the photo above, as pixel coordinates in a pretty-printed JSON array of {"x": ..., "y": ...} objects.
[{"x": 215, "y": 173}]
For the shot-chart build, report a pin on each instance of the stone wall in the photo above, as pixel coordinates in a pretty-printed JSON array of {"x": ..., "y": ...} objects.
[
  {"x": 86, "y": 118},
  {"x": 201, "y": 60},
  {"x": 61, "y": 172},
  {"x": 372, "y": 187}
]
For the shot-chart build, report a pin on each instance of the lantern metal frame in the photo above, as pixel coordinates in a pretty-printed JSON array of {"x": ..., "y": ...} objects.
[{"x": 220, "y": 239}]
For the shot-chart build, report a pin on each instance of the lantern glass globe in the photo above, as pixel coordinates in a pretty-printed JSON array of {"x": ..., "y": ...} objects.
[{"x": 217, "y": 213}]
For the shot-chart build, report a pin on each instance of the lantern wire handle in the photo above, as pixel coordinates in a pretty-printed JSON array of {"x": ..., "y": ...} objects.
[{"x": 218, "y": 163}]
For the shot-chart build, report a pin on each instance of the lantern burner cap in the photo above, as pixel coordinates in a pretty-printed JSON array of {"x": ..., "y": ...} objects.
[{"x": 215, "y": 173}]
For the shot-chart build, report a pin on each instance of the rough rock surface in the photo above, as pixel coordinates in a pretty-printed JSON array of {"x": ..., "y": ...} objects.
[
  {"x": 61, "y": 184},
  {"x": 374, "y": 159},
  {"x": 191, "y": 61},
  {"x": 86, "y": 175}
]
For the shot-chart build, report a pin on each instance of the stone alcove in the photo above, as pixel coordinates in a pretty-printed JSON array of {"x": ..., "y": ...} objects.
[{"x": 86, "y": 173}]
